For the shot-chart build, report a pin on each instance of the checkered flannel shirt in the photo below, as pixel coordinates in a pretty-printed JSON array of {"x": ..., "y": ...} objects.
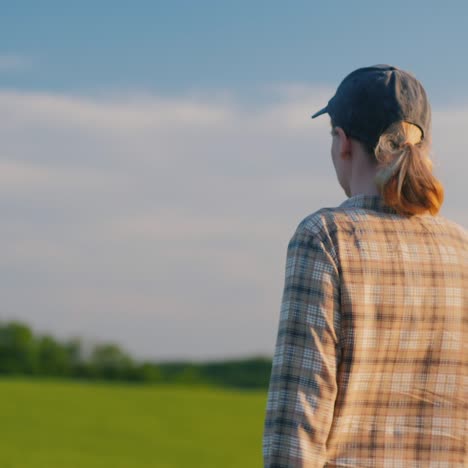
[{"x": 370, "y": 364}]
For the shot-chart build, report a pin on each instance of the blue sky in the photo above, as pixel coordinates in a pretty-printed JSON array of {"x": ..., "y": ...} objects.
[
  {"x": 175, "y": 46},
  {"x": 156, "y": 157}
]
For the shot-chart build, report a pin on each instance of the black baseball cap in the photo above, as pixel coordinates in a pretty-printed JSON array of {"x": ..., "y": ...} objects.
[{"x": 370, "y": 99}]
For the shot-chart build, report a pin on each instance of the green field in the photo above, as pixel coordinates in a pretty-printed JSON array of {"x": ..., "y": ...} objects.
[{"x": 66, "y": 424}]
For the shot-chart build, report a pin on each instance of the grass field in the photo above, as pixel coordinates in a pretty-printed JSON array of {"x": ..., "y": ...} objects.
[{"x": 66, "y": 424}]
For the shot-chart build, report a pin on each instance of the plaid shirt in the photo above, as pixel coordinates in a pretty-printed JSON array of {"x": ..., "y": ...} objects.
[{"x": 370, "y": 364}]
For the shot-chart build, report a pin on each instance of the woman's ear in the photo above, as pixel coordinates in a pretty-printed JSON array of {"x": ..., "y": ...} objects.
[{"x": 344, "y": 143}]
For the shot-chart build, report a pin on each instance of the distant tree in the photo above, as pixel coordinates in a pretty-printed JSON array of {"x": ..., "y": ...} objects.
[
  {"x": 18, "y": 349},
  {"x": 73, "y": 348},
  {"x": 53, "y": 357},
  {"x": 23, "y": 353},
  {"x": 149, "y": 372},
  {"x": 110, "y": 362},
  {"x": 246, "y": 373},
  {"x": 189, "y": 374}
]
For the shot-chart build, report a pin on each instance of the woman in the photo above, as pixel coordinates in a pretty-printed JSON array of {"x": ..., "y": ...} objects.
[{"x": 370, "y": 360}]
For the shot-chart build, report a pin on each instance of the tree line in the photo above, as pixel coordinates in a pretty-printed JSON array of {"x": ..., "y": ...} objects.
[{"x": 22, "y": 352}]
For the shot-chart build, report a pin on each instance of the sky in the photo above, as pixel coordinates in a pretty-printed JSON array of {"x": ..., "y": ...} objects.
[{"x": 156, "y": 157}]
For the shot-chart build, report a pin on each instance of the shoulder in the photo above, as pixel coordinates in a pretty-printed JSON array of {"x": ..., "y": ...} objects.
[
  {"x": 454, "y": 231},
  {"x": 324, "y": 223},
  {"x": 319, "y": 231},
  {"x": 453, "y": 226}
]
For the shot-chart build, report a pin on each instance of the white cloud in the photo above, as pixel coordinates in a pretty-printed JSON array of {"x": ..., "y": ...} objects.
[
  {"x": 127, "y": 114},
  {"x": 162, "y": 223}
]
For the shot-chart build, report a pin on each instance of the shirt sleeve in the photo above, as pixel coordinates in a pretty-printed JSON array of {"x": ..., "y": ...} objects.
[{"x": 303, "y": 388}]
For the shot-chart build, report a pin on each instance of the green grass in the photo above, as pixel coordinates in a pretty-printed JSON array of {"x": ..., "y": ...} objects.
[{"x": 66, "y": 424}]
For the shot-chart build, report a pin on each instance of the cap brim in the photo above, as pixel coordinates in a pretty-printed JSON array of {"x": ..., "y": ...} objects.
[{"x": 320, "y": 112}]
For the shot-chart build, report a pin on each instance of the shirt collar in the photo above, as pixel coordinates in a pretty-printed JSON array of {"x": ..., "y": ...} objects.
[{"x": 370, "y": 202}]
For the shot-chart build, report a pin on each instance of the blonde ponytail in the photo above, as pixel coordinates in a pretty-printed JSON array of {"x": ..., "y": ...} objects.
[{"x": 404, "y": 174}]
